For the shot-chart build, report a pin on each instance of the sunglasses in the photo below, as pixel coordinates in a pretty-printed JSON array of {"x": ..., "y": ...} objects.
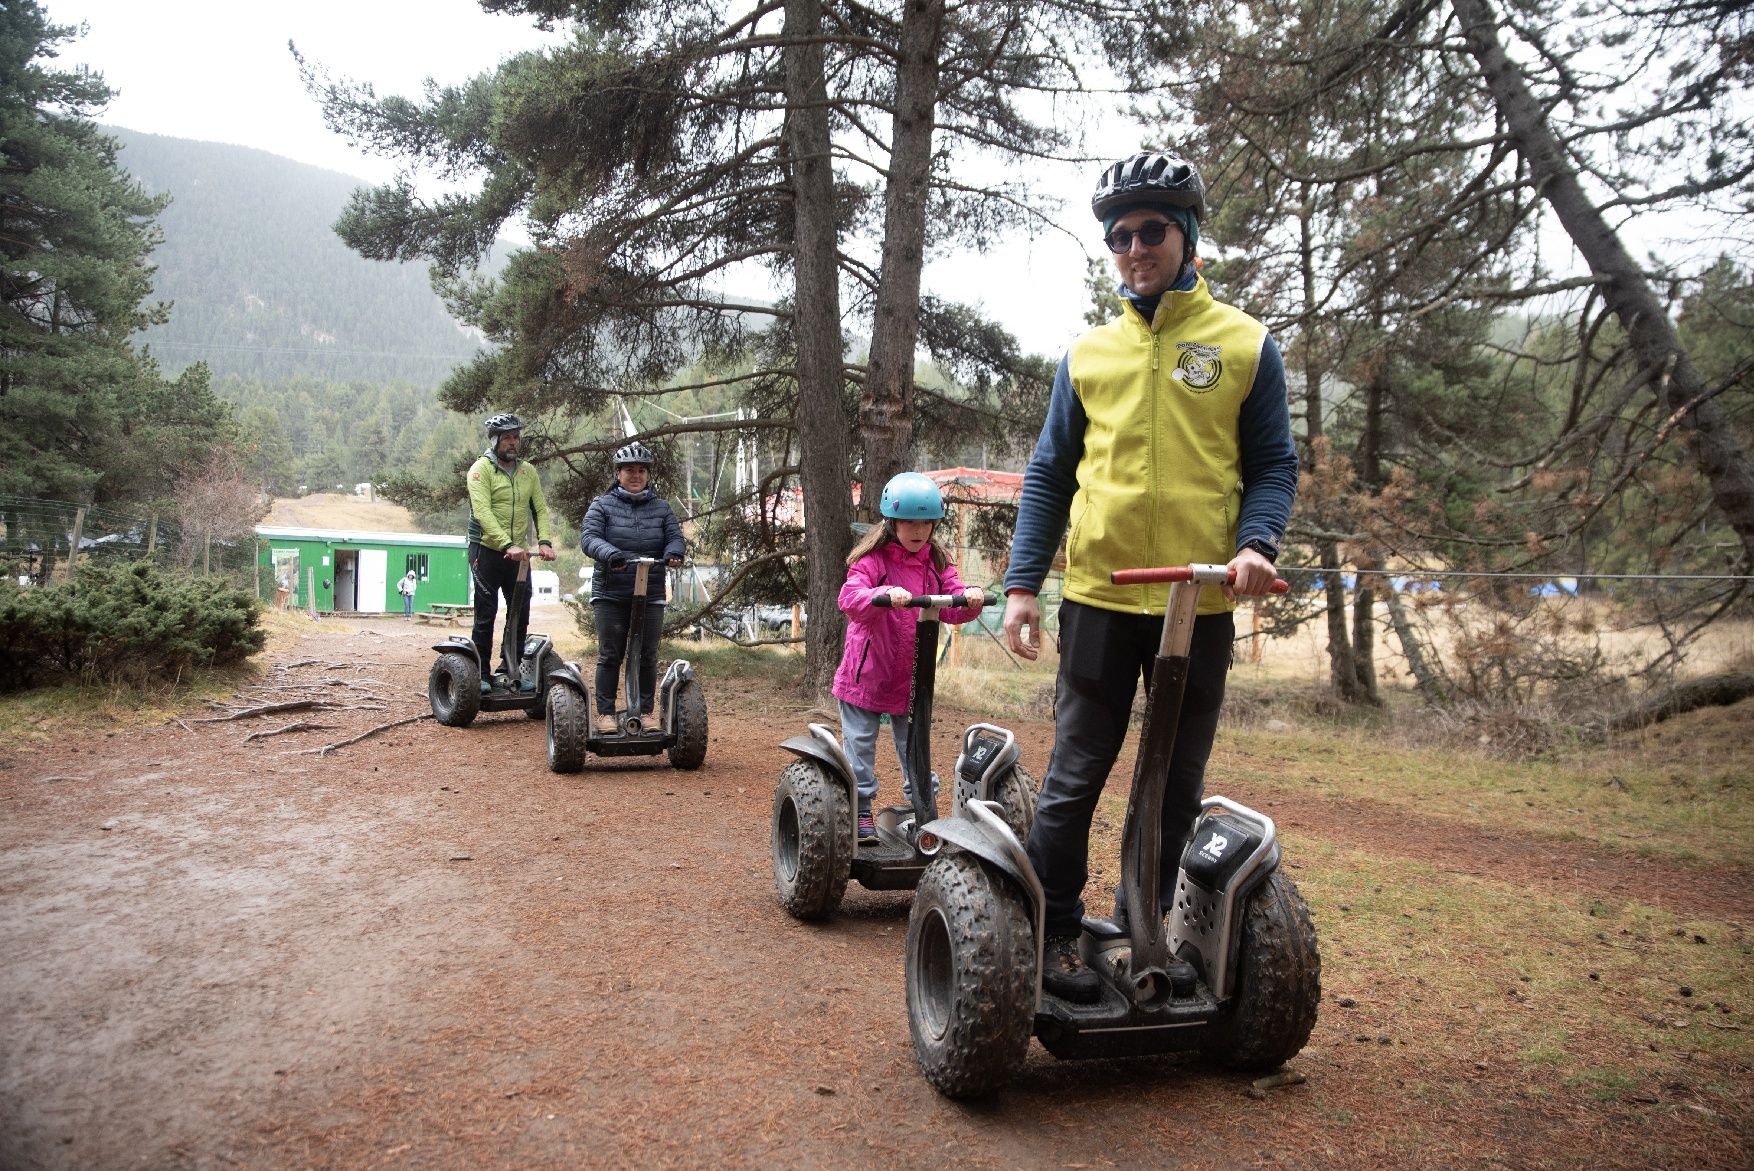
[{"x": 1151, "y": 235}]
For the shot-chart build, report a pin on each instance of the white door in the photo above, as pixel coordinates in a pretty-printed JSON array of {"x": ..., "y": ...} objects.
[{"x": 374, "y": 567}]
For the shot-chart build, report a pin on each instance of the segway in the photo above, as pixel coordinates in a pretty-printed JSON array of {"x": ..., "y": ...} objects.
[
  {"x": 975, "y": 933},
  {"x": 680, "y": 729},
  {"x": 815, "y": 806},
  {"x": 454, "y": 684}
]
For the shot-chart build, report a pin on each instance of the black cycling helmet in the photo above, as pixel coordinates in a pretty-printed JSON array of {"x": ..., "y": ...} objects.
[
  {"x": 634, "y": 453},
  {"x": 1150, "y": 177},
  {"x": 501, "y": 423}
]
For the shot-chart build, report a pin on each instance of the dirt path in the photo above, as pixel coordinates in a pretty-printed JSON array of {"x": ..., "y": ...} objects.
[{"x": 425, "y": 950}]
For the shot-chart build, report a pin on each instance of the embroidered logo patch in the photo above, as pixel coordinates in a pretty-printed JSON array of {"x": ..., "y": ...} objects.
[{"x": 1198, "y": 367}]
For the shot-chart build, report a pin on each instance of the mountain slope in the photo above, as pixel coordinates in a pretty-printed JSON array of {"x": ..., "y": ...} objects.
[{"x": 261, "y": 285}]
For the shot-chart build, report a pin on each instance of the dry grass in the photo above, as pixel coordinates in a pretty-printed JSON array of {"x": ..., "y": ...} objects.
[{"x": 340, "y": 510}]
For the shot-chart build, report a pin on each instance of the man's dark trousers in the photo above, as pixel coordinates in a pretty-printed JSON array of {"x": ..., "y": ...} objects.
[
  {"x": 1103, "y": 654},
  {"x": 493, "y": 574}
]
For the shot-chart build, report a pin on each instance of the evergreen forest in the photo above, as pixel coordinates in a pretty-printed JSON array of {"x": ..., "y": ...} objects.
[{"x": 1383, "y": 184}]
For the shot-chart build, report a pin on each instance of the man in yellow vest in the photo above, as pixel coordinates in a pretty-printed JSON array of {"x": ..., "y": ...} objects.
[
  {"x": 1167, "y": 442},
  {"x": 505, "y": 501}
]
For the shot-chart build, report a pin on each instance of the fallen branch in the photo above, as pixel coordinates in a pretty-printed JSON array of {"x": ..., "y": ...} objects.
[
  {"x": 1714, "y": 690},
  {"x": 268, "y": 709},
  {"x": 301, "y": 726},
  {"x": 328, "y": 748},
  {"x": 1285, "y": 1077}
]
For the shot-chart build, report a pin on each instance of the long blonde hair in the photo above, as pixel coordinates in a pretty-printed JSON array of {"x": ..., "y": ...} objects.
[{"x": 883, "y": 534}]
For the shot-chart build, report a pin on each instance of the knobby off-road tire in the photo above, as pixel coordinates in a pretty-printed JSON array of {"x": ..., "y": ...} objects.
[
  {"x": 454, "y": 687},
  {"x": 689, "y": 751},
  {"x": 567, "y": 728},
  {"x": 551, "y": 662},
  {"x": 1278, "y": 984},
  {"x": 1016, "y": 791},
  {"x": 812, "y": 840},
  {"x": 970, "y": 976}
]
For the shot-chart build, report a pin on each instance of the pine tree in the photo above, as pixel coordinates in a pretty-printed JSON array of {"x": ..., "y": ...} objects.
[{"x": 82, "y": 416}]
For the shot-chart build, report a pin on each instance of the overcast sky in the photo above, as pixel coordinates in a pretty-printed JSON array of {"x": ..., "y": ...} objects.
[{"x": 220, "y": 71}]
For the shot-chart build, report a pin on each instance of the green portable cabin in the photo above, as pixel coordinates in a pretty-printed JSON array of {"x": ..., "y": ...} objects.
[{"x": 343, "y": 571}]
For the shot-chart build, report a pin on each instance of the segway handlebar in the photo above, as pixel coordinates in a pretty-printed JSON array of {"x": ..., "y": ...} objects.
[
  {"x": 924, "y": 601},
  {"x": 1171, "y": 573}
]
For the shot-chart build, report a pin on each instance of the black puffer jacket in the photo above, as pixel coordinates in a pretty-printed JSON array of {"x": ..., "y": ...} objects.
[{"x": 622, "y": 524}]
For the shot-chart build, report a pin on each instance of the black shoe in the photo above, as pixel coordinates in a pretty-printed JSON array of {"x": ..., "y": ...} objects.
[{"x": 1065, "y": 975}]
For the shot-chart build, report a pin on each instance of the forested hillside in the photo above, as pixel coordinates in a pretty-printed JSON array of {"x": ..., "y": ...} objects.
[{"x": 261, "y": 286}]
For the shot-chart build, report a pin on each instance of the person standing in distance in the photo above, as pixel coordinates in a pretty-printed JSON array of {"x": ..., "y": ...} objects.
[
  {"x": 1167, "y": 442},
  {"x": 630, "y": 520},
  {"x": 505, "y": 497}
]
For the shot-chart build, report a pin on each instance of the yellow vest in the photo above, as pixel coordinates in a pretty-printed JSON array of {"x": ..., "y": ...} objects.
[{"x": 1160, "y": 480}]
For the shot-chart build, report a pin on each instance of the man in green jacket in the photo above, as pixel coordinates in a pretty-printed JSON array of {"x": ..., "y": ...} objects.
[{"x": 505, "y": 498}]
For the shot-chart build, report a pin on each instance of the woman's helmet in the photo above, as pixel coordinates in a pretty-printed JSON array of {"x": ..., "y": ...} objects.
[
  {"x": 1150, "y": 177},
  {"x": 501, "y": 423},
  {"x": 912, "y": 496},
  {"x": 634, "y": 453}
]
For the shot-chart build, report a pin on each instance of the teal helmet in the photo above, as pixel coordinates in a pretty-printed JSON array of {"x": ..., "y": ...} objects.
[{"x": 912, "y": 496}]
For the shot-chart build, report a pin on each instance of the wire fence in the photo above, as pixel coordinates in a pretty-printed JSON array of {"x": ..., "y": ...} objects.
[{"x": 38, "y": 539}]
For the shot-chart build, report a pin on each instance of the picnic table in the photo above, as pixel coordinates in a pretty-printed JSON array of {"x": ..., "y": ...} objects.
[{"x": 449, "y": 613}]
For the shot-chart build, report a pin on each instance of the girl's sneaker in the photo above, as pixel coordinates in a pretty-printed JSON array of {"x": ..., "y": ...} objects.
[{"x": 867, "y": 828}]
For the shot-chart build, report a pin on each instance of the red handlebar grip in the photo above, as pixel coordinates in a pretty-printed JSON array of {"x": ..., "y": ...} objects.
[
  {"x": 1151, "y": 576},
  {"x": 1175, "y": 573}
]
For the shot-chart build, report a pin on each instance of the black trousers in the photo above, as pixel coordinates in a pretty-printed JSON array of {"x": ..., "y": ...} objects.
[
  {"x": 1103, "y": 654},
  {"x": 491, "y": 575},
  {"x": 613, "y": 617}
]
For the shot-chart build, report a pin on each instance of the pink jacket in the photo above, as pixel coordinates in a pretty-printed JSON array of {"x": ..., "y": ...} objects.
[{"x": 876, "y": 668}]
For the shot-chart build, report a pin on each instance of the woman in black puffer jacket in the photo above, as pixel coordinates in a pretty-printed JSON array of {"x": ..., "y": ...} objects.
[{"x": 630, "y": 520}]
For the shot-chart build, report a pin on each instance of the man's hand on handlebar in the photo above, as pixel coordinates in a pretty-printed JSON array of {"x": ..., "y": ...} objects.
[
  {"x": 1251, "y": 575},
  {"x": 546, "y": 552},
  {"x": 517, "y": 553}
]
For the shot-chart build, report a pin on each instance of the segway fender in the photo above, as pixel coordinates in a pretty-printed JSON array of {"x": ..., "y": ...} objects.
[
  {"x": 568, "y": 674},
  {"x": 822, "y": 746},
  {"x": 461, "y": 645},
  {"x": 1233, "y": 850},
  {"x": 980, "y": 829},
  {"x": 680, "y": 671}
]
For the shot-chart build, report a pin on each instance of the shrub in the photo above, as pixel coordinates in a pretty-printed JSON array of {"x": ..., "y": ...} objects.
[{"x": 119, "y": 623}]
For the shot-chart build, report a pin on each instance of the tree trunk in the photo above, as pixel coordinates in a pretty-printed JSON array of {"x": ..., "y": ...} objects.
[
  {"x": 1427, "y": 680},
  {"x": 1714, "y": 690},
  {"x": 1342, "y": 673},
  {"x": 886, "y": 407},
  {"x": 1364, "y": 597},
  {"x": 1364, "y": 644},
  {"x": 822, "y": 429},
  {"x": 1721, "y": 456}
]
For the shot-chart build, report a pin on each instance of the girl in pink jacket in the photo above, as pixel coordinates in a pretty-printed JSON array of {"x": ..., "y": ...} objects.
[{"x": 875, "y": 677}]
